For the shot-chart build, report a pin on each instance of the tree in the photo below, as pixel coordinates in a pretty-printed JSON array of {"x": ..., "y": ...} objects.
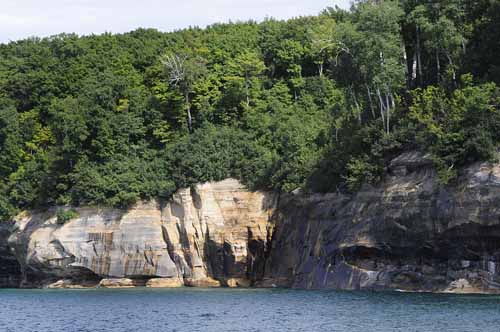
[
  {"x": 69, "y": 126},
  {"x": 183, "y": 73},
  {"x": 289, "y": 56},
  {"x": 481, "y": 56},
  {"x": 246, "y": 65},
  {"x": 10, "y": 139},
  {"x": 441, "y": 32},
  {"x": 373, "y": 44},
  {"x": 315, "y": 102},
  {"x": 324, "y": 43},
  {"x": 459, "y": 128}
]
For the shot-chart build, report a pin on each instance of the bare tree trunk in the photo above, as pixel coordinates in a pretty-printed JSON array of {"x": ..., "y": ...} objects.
[
  {"x": 453, "y": 73},
  {"x": 414, "y": 67},
  {"x": 388, "y": 110},
  {"x": 188, "y": 109},
  {"x": 370, "y": 100},
  {"x": 320, "y": 69},
  {"x": 419, "y": 52},
  {"x": 246, "y": 90},
  {"x": 248, "y": 97},
  {"x": 358, "y": 108},
  {"x": 438, "y": 66},
  {"x": 382, "y": 108},
  {"x": 405, "y": 65}
]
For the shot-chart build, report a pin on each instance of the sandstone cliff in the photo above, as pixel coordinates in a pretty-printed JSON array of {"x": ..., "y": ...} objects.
[
  {"x": 408, "y": 233},
  {"x": 206, "y": 236}
]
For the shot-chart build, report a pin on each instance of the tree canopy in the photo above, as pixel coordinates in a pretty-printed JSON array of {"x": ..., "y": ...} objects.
[{"x": 320, "y": 103}]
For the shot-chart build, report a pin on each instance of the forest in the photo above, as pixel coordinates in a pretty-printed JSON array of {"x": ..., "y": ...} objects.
[{"x": 317, "y": 103}]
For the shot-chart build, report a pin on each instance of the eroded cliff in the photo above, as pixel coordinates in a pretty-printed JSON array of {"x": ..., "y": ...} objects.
[
  {"x": 206, "y": 236},
  {"x": 408, "y": 233}
]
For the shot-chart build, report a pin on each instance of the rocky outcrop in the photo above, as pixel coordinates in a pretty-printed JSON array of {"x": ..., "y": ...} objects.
[
  {"x": 120, "y": 283},
  {"x": 165, "y": 283},
  {"x": 408, "y": 233},
  {"x": 202, "y": 236}
]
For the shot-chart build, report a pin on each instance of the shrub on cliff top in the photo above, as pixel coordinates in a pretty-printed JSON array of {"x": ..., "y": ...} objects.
[{"x": 66, "y": 215}]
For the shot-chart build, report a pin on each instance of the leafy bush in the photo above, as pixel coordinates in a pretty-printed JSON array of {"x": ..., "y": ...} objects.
[
  {"x": 214, "y": 153},
  {"x": 64, "y": 215},
  {"x": 458, "y": 128}
]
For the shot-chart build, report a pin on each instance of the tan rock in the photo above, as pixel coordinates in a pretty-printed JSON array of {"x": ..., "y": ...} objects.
[
  {"x": 210, "y": 225},
  {"x": 203, "y": 282},
  {"x": 164, "y": 283},
  {"x": 214, "y": 218},
  {"x": 105, "y": 242},
  {"x": 69, "y": 284},
  {"x": 237, "y": 282},
  {"x": 119, "y": 283},
  {"x": 462, "y": 286},
  {"x": 58, "y": 284}
]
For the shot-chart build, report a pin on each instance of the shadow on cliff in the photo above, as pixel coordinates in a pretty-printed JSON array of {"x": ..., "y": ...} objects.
[
  {"x": 10, "y": 269},
  {"x": 222, "y": 263}
]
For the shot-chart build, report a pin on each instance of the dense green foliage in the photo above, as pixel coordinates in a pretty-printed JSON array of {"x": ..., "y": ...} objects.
[{"x": 319, "y": 103}]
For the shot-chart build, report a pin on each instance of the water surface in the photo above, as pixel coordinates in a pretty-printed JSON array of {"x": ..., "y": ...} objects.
[{"x": 194, "y": 309}]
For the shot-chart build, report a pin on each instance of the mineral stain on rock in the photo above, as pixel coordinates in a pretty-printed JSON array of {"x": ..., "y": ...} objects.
[
  {"x": 406, "y": 233},
  {"x": 200, "y": 237}
]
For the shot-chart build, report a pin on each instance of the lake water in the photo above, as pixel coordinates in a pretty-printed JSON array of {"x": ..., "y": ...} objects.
[{"x": 193, "y": 309}]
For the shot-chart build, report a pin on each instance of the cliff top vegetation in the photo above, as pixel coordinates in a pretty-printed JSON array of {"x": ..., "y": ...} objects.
[{"x": 320, "y": 103}]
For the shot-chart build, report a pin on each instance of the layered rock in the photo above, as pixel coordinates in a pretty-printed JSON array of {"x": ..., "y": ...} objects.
[
  {"x": 202, "y": 236},
  {"x": 407, "y": 233}
]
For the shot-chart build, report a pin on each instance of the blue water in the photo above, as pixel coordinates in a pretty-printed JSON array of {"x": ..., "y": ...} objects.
[{"x": 243, "y": 310}]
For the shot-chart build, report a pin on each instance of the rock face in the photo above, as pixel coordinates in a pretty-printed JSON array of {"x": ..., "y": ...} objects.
[
  {"x": 203, "y": 236},
  {"x": 407, "y": 233},
  {"x": 10, "y": 270}
]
